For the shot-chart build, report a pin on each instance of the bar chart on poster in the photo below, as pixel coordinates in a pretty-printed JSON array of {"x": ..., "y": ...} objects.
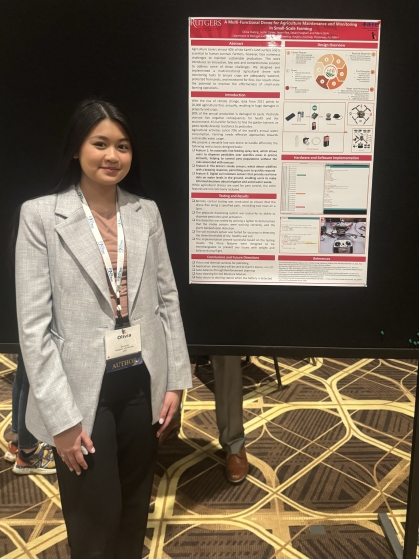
[{"x": 281, "y": 150}]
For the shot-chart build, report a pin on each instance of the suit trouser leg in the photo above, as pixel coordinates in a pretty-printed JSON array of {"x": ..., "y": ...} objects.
[
  {"x": 20, "y": 393},
  {"x": 229, "y": 401},
  {"x": 26, "y": 439},
  {"x": 106, "y": 507},
  {"x": 16, "y": 389}
]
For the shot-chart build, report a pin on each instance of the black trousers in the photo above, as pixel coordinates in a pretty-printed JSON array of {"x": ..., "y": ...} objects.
[{"x": 106, "y": 507}]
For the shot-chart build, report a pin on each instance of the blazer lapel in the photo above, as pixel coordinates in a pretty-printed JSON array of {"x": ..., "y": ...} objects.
[
  {"x": 136, "y": 229},
  {"x": 75, "y": 232}
]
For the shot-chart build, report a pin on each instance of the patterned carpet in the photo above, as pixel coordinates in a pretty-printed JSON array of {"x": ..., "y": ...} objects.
[{"x": 327, "y": 453}]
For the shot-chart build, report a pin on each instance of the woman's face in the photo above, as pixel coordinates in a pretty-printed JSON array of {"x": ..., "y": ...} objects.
[{"x": 105, "y": 155}]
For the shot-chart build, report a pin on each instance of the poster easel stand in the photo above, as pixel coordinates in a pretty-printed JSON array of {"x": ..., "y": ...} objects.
[
  {"x": 412, "y": 516},
  {"x": 278, "y": 374}
]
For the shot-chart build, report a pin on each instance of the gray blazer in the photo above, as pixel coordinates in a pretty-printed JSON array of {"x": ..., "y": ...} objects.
[{"x": 64, "y": 309}]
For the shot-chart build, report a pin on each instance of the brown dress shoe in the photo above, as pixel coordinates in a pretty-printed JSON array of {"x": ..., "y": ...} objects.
[{"x": 237, "y": 466}]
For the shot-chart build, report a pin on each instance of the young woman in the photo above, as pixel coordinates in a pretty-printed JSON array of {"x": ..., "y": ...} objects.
[{"x": 101, "y": 334}]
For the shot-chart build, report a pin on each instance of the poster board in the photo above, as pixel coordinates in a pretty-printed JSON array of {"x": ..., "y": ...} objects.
[{"x": 55, "y": 55}]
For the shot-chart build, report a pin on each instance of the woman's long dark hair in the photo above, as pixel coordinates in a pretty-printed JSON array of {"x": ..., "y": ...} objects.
[{"x": 89, "y": 113}]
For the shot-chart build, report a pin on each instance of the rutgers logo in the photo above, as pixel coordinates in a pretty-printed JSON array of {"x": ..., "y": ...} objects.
[{"x": 206, "y": 23}]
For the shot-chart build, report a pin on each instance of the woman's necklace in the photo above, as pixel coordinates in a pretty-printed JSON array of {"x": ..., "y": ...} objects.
[{"x": 105, "y": 212}]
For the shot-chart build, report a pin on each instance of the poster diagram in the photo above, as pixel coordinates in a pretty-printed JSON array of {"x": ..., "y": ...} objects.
[
  {"x": 282, "y": 127},
  {"x": 361, "y": 114},
  {"x": 330, "y": 71}
]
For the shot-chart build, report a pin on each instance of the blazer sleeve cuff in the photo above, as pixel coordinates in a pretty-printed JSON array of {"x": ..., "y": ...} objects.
[{"x": 64, "y": 425}]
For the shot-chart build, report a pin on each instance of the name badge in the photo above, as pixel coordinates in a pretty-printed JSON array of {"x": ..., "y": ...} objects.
[{"x": 123, "y": 348}]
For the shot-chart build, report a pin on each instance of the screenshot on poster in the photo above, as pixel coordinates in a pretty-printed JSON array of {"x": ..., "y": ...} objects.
[{"x": 281, "y": 149}]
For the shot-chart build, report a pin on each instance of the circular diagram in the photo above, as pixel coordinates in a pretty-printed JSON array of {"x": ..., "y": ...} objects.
[{"x": 330, "y": 71}]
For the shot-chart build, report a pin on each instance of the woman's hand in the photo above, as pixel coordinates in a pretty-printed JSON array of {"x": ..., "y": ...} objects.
[
  {"x": 170, "y": 405},
  {"x": 68, "y": 445}
]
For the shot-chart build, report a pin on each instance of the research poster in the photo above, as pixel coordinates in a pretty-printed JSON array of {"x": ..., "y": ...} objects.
[{"x": 282, "y": 120}]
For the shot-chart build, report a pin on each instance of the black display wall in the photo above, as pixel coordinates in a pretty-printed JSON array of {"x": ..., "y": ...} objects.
[{"x": 135, "y": 53}]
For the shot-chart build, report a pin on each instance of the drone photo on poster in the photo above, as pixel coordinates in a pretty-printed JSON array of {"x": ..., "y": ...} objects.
[{"x": 343, "y": 235}]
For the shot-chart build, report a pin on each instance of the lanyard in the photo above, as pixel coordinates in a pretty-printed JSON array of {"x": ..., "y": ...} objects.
[{"x": 114, "y": 280}]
